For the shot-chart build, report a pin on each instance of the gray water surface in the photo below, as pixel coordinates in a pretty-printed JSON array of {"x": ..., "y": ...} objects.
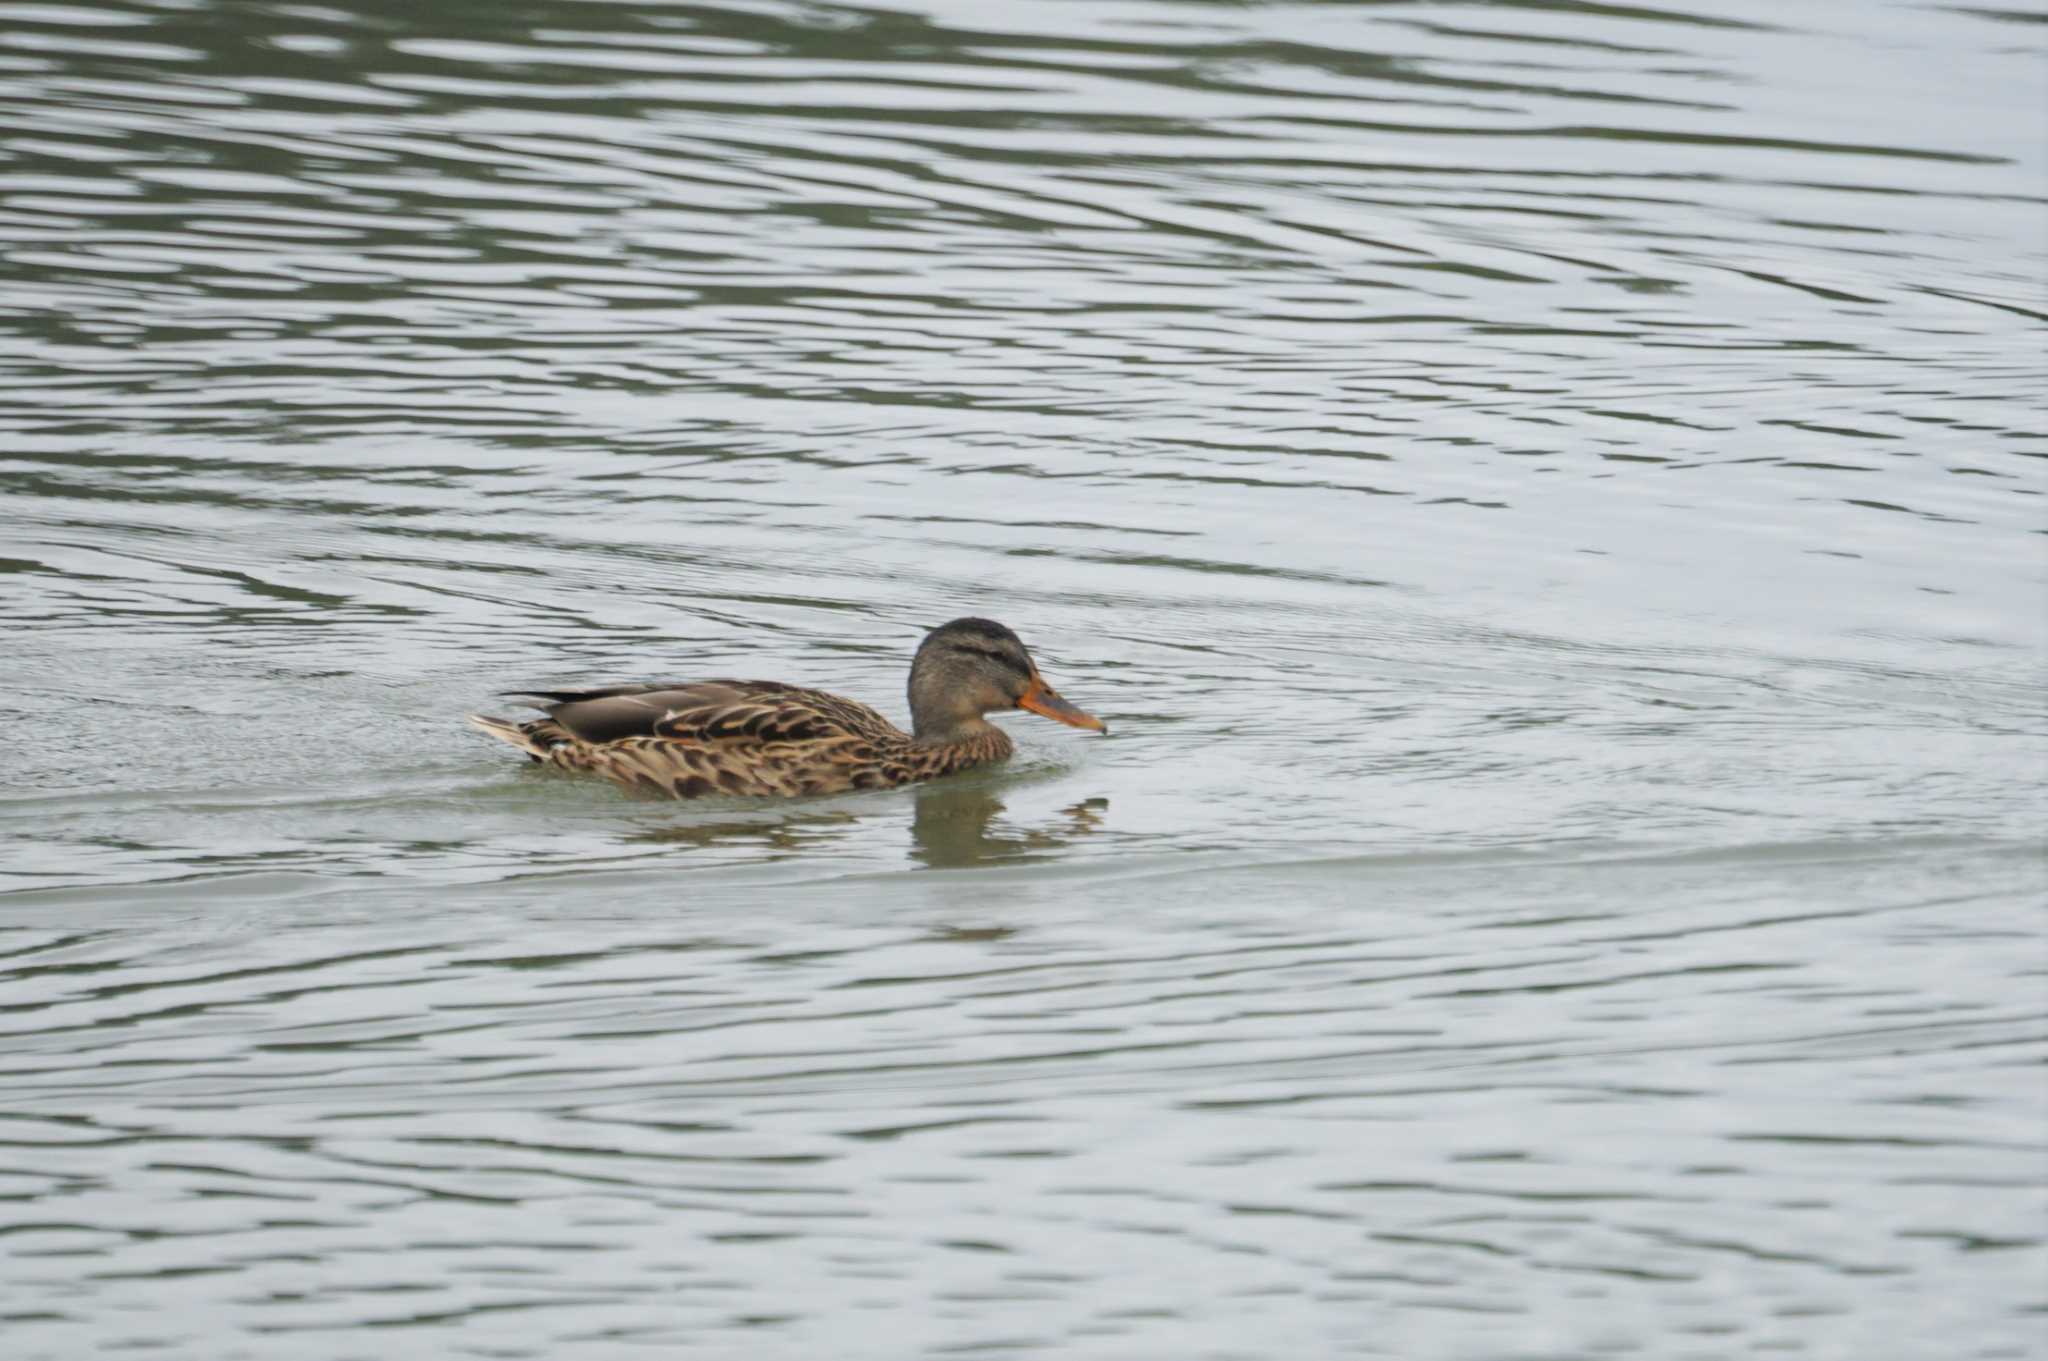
[{"x": 1548, "y": 496}]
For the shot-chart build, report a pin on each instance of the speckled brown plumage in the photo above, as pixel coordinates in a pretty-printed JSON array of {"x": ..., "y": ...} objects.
[{"x": 687, "y": 740}]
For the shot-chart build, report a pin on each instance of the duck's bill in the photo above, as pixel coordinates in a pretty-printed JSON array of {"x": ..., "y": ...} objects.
[{"x": 1043, "y": 699}]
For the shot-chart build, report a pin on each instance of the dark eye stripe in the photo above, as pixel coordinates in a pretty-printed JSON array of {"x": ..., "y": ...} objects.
[{"x": 1005, "y": 658}]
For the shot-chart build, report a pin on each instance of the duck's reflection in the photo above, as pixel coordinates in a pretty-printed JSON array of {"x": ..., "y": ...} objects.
[
  {"x": 954, "y": 828},
  {"x": 780, "y": 834}
]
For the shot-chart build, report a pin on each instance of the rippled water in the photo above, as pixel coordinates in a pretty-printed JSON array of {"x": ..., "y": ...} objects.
[{"x": 1548, "y": 496}]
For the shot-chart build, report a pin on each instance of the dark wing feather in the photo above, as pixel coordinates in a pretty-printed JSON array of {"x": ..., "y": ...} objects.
[
  {"x": 727, "y": 689},
  {"x": 707, "y": 711},
  {"x": 602, "y": 692}
]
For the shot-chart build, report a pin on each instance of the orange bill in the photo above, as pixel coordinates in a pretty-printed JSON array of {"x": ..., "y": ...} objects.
[{"x": 1043, "y": 699}]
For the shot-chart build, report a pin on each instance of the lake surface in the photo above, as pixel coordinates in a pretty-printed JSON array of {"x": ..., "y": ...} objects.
[{"x": 1548, "y": 496}]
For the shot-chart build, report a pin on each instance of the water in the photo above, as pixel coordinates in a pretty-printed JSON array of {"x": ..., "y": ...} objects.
[{"x": 1547, "y": 495}]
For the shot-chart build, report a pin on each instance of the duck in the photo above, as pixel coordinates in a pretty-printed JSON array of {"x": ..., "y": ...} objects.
[{"x": 689, "y": 739}]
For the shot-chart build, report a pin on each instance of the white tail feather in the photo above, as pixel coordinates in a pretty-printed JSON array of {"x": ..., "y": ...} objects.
[{"x": 506, "y": 731}]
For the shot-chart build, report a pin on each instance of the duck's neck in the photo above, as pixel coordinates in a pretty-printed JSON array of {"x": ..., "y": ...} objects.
[{"x": 966, "y": 743}]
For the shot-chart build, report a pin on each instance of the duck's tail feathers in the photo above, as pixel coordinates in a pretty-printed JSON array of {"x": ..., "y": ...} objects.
[{"x": 505, "y": 730}]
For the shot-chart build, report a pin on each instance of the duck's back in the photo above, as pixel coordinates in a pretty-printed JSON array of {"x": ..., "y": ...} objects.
[{"x": 712, "y": 711}]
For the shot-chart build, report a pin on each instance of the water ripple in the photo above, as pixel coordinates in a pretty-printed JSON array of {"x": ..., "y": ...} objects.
[{"x": 1546, "y": 494}]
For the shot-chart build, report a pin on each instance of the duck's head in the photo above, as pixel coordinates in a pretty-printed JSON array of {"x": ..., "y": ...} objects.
[{"x": 970, "y": 666}]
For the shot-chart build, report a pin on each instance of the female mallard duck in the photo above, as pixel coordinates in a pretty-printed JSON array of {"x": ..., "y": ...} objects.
[{"x": 687, "y": 739}]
